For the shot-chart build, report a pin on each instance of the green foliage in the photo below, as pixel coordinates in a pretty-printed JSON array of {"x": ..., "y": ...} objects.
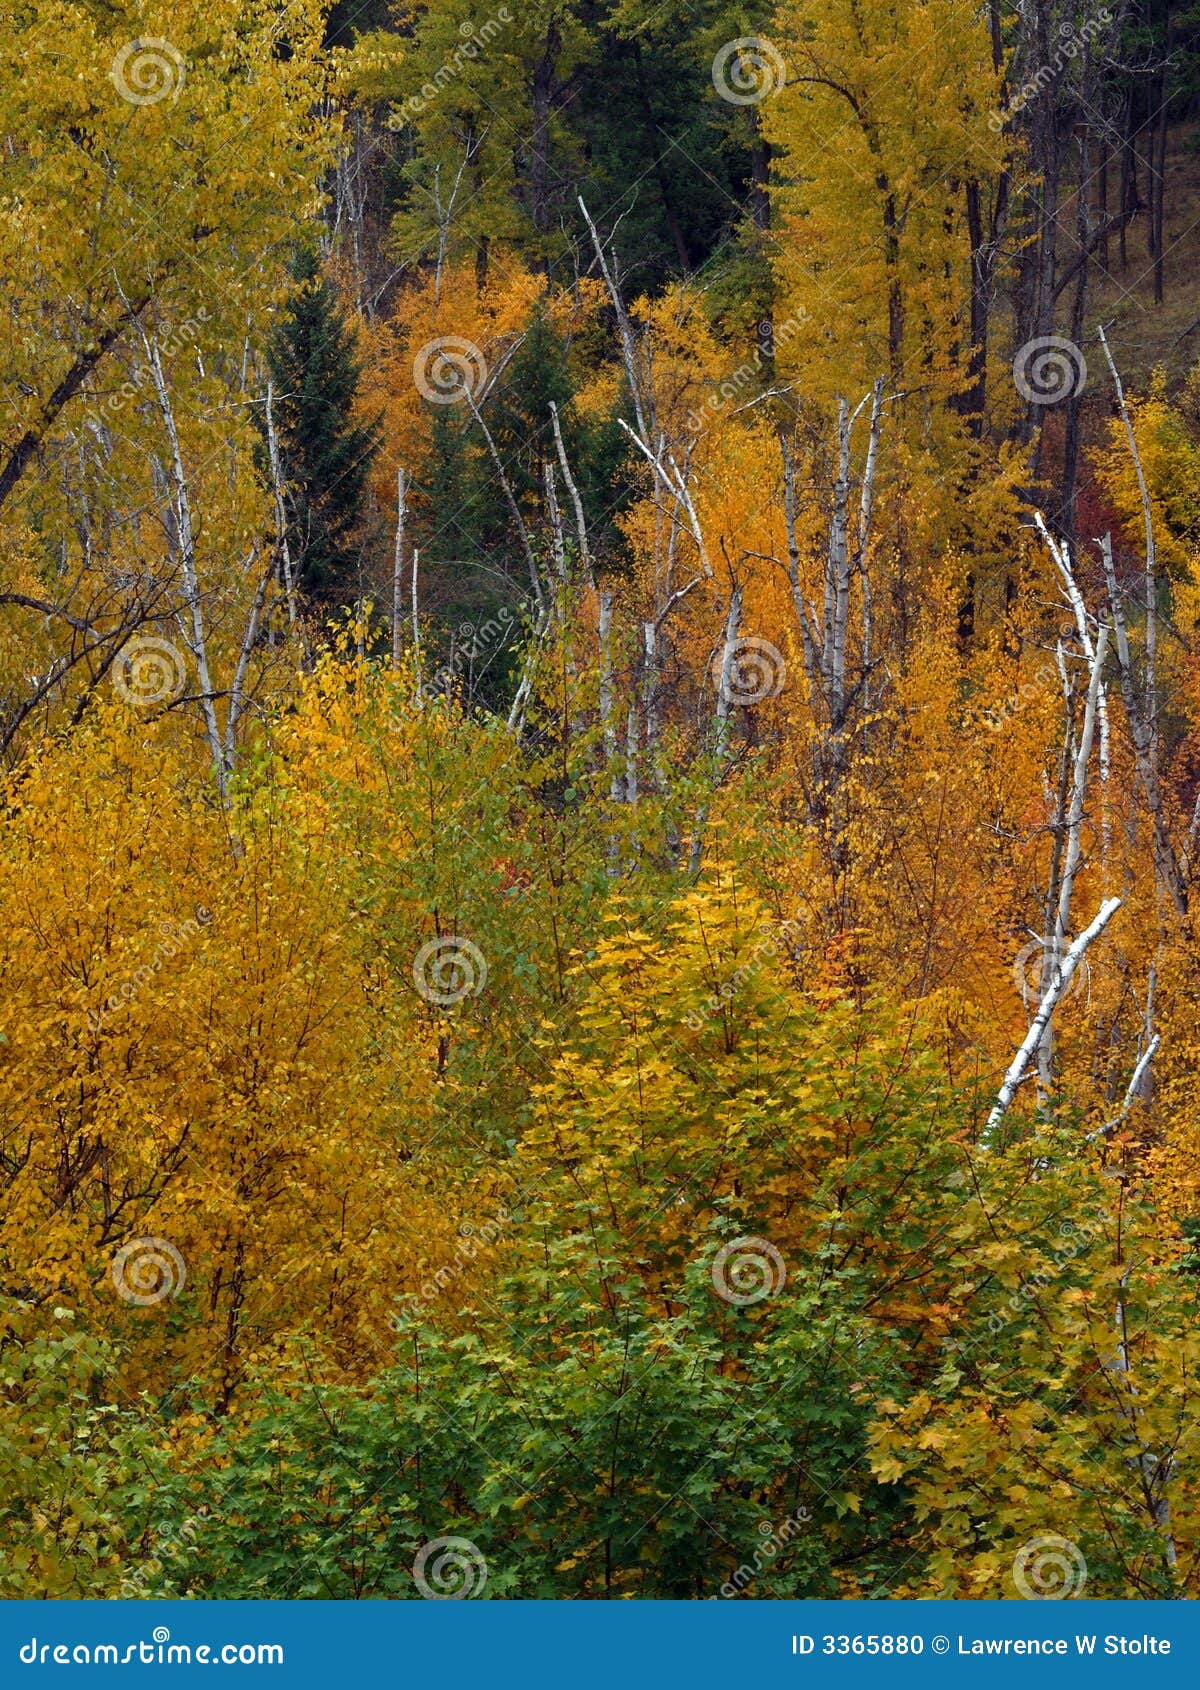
[
  {"x": 77, "y": 1469},
  {"x": 473, "y": 568},
  {"x": 326, "y": 451},
  {"x": 558, "y": 1120},
  {"x": 586, "y": 1446}
]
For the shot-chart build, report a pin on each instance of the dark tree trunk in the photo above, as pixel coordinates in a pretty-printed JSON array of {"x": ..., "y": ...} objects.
[
  {"x": 1075, "y": 398},
  {"x": 1159, "y": 179},
  {"x": 1102, "y": 208},
  {"x": 760, "y": 168},
  {"x": 653, "y": 133},
  {"x": 1129, "y": 188},
  {"x": 543, "y": 89}
]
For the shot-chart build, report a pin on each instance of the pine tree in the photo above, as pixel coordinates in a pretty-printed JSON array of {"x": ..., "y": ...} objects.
[{"x": 325, "y": 450}]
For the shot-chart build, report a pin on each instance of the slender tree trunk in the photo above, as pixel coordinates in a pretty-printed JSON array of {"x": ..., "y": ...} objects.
[
  {"x": 760, "y": 171},
  {"x": 653, "y": 139},
  {"x": 542, "y": 92},
  {"x": 1159, "y": 179},
  {"x": 1102, "y": 206},
  {"x": 1128, "y": 193},
  {"x": 281, "y": 522},
  {"x": 1074, "y": 405},
  {"x": 185, "y": 538},
  {"x": 398, "y": 572}
]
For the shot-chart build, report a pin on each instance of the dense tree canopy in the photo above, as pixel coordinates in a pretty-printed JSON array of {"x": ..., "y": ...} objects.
[{"x": 600, "y": 740}]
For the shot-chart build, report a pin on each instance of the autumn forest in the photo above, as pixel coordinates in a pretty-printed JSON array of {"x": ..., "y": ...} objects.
[{"x": 600, "y": 735}]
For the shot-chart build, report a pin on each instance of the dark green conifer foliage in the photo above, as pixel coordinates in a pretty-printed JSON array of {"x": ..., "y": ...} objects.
[{"x": 325, "y": 450}]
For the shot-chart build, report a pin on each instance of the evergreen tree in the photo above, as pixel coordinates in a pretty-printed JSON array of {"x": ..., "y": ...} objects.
[{"x": 325, "y": 450}]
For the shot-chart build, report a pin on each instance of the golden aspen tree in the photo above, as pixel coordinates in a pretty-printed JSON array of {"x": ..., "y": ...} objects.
[{"x": 880, "y": 127}]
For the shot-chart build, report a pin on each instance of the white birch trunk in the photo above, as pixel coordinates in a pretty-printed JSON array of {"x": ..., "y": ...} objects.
[
  {"x": 1051, "y": 993},
  {"x": 398, "y": 570},
  {"x": 187, "y": 561}
]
